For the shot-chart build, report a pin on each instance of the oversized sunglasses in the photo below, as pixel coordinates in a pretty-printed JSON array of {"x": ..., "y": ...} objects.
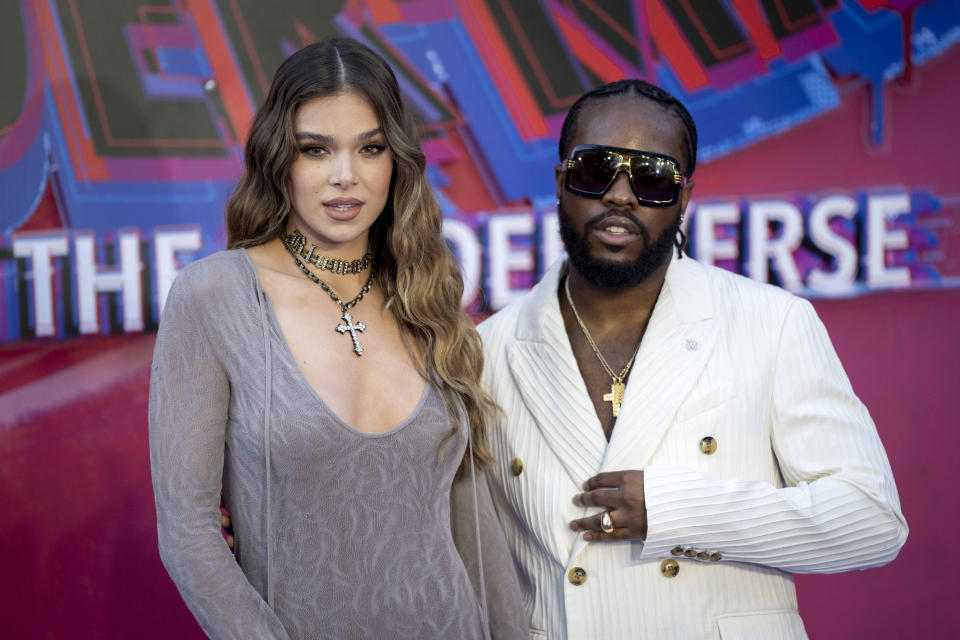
[{"x": 655, "y": 178}]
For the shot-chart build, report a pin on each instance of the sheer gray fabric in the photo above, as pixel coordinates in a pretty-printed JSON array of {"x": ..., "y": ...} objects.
[{"x": 340, "y": 534}]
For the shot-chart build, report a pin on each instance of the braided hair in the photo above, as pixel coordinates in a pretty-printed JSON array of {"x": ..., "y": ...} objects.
[{"x": 643, "y": 90}]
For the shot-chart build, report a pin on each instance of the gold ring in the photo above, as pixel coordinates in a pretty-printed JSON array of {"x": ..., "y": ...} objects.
[{"x": 606, "y": 522}]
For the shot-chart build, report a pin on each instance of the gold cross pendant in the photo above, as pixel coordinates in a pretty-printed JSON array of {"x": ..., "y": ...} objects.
[{"x": 615, "y": 397}]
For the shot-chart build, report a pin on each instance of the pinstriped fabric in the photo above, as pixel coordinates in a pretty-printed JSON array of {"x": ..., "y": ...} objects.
[
  {"x": 534, "y": 535},
  {"x": 665, "y": 370},
  {"x": 563, "y": 415},
  {"x": 799, "y": 480},
  {"x": 840, "y": 508}
]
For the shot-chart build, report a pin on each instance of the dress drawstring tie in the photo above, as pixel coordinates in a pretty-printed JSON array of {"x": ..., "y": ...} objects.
[
  {"x": 268, "y": 395},
  {"x": 476, "y": 521}
]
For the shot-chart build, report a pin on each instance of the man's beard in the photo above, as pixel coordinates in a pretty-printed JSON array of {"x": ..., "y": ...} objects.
[{"x": 605, "y": 274}]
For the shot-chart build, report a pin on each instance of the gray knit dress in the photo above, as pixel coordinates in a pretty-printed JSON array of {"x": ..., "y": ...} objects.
[{"x": 340, "y": 533}]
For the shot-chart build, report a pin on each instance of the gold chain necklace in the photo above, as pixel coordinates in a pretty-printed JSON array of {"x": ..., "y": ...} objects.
[
  {"x": 617, "y": 386},
  {"x": 296, "y": 244},
  {"x": 347, "y": 325}
]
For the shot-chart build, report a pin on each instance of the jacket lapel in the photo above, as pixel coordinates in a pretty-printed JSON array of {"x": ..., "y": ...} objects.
[
  {"x": 678, "y": 342},
  {"x": 546, "y": 374}
]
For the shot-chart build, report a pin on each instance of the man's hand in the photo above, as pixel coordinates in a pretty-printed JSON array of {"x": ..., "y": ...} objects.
[
  {"x": 620, "y": 493},
  {"x": 225, "y": 525}
]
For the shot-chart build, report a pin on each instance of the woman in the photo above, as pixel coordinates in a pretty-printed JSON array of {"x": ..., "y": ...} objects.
[{"x": 323, "y": 376}]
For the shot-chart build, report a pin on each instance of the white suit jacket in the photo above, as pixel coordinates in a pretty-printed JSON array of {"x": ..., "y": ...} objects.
[{"x": 798, "y": 480}]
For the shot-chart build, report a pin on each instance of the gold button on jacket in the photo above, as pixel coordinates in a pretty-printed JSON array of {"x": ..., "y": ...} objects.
[
  {"x": 708, "y": 445},
  {"x": 690, "y": 553},
  {"x": 516, "y": 466},
  {"x": 716, "y": 557},
  {"x": 676, "y": 551},
  {"x": 670, "y": 568},
  {"x": 577, "y": 576}
]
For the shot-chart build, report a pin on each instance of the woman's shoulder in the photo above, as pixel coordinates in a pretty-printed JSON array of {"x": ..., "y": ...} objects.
[
  {"x": 221, "y": 278},
  {"x": 217, "y": 271},
  {"x": 216, "y": 265}
]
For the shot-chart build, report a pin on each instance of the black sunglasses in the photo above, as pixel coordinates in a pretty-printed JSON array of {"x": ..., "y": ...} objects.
[{"x": 655, "y": 178}]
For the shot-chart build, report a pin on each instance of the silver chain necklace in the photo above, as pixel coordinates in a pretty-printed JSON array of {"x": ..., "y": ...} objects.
[{"x": 347, "y": 325}]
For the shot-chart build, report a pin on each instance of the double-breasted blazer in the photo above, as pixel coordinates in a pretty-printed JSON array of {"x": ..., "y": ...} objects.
[{"x": 759, "y": 461}]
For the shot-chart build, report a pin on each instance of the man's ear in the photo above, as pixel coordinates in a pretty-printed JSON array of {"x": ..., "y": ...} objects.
[
  {"x": 558, "y": 177},
  {"x": 685, "y": 194}
]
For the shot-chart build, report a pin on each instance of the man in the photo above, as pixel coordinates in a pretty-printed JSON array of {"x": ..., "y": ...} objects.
[{"x": 675, "y": 440}]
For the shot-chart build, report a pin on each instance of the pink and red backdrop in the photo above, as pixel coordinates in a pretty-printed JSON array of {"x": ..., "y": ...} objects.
[{"x": 827, "y": 166}]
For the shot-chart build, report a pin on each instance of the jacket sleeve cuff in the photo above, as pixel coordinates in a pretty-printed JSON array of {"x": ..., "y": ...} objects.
[{"x": 677, "y": 504}]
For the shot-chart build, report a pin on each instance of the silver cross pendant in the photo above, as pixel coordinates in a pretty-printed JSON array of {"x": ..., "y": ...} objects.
[{"x": 353, "y": 329}]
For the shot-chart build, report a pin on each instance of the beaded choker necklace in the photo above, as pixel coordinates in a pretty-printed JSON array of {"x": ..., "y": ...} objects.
[{"x": 296, "y": 244}]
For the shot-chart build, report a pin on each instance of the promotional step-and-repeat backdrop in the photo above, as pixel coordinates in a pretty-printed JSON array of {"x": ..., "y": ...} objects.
[{"x": 827, "y": 166}]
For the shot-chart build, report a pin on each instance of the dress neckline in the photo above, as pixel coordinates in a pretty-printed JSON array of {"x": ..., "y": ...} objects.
[{"x": 287, "y": 355}]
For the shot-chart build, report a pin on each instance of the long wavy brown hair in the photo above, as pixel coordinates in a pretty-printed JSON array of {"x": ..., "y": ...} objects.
[{"x": 415, "y": 269}]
